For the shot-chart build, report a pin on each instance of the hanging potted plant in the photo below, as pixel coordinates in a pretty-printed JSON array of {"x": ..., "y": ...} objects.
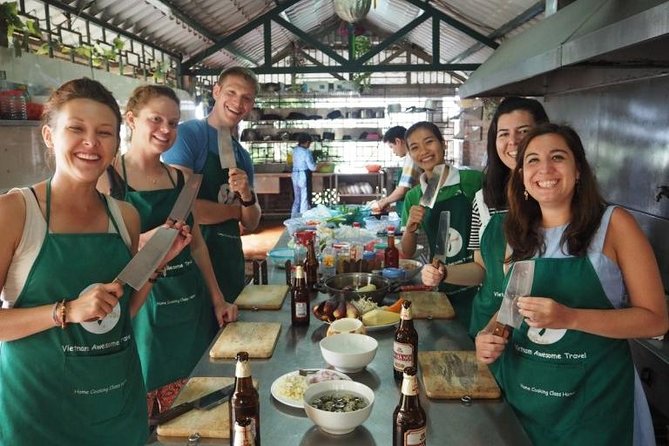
[{"x": 9, "y": 21}]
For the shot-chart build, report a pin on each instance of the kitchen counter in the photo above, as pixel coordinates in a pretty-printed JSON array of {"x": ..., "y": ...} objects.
[{"x": 482, "y": 422}]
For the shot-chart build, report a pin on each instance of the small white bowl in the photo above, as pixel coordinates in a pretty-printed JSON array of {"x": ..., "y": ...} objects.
[
  {"x": 346, "y": 325},
  {"x": 349, "y": 352},
  {"x": 338, "y": 423}
]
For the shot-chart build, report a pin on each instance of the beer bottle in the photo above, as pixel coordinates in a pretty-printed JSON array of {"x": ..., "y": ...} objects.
[
  {"x": 311, "y": 266},
  {"x": 391, "y": 257},
  {"x": 243, "y": 433},
  {"x": 405, "y": 347},
  {"x": 299, "y": 300},
  {"x": 244, "y": 402},
  {"x": 409, "y": 423}
]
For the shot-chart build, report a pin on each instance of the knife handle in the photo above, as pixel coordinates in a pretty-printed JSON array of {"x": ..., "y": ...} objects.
[
  {"x": 171, "y": 413},
  {"x": 263, "y": 272},
  {"x": 256, "y": 272},
  {"x": 502, "y": 330}
]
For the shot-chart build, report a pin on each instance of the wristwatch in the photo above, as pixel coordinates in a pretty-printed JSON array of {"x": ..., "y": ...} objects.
[{"x": 251, "y": 202}]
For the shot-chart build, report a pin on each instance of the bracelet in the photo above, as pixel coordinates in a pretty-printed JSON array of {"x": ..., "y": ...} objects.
[
  {"x": 54, "y": 314},
  {"x": 251, "y": 202},
  {"x": 63, "y": 314}
]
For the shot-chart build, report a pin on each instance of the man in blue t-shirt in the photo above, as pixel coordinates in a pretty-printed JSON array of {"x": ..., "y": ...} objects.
[{"x": 226, "y": 196}]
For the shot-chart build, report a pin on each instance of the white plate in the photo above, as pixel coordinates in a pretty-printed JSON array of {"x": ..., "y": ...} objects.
[
  {"x": 299, "y": 403},
  {"x": 381, "y": 327}
]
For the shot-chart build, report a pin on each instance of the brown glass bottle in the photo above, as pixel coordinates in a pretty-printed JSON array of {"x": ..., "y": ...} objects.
[
  {"x": 243, "y": 432},
  {"x": 391, "y": 257},
  {"x": 409, "y": 423},
  {"x": 299, "y": 300},
  {"x": 405, "y": 347},
  {"x": 311, "y": 266},
  {"x": 244, "y": 402}
]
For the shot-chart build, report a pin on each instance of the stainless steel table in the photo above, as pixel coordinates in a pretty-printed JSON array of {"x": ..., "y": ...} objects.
[{"x": 484, "y": 423}]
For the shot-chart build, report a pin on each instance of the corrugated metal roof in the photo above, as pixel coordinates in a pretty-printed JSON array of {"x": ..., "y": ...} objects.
[{"x": 188, "y": 27}]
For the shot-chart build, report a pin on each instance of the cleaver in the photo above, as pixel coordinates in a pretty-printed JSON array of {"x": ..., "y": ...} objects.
[
  {"x": 137, "y": 272},
  {"x": 441, "y": 244},
  {"x": 205, "y": 402},
  {"x": 227, "y": 158},
  {"x": 225, "y": 150},
  {"x": 434, "y": 183},
  {"x": 184, "y": 203},
  {"x": 520, "y": 284}
]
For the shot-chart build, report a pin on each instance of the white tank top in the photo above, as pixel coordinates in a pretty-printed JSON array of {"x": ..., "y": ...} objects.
[{"x": 30, "y": 245}]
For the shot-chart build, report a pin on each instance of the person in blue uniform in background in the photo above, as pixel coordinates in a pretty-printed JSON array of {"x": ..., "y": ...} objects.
[{"x": 303, "y": 163}]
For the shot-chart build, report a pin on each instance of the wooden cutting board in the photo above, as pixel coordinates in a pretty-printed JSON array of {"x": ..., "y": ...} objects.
[
  {"x": 454, "y": 374},
  {"x": 429, "y": 304},
  {"x": 262, "y": 297},
  {"x": 212, "y": 423},
  {"x": 256, "y": 338}
]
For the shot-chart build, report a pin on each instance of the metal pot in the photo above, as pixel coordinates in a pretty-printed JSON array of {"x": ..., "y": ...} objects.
[{"x": 345, "y": 285}]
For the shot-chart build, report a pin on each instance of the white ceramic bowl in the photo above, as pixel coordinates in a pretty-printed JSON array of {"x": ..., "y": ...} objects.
[
  {"x": 338, "y": 423},
  {"x": 349, "y": 352}
]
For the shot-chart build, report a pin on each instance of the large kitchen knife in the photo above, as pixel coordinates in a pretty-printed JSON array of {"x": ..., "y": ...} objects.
[
  {"x": 520, "y": 284},
  {"x": 434, "y": 183},
  {"x": 184, "y": 203},
  {"x": 225, "y": 151},
  {"x": 441, "y": 244},
  {"x": 206, "y": 402},
  {"x": 137, "y": 272}
]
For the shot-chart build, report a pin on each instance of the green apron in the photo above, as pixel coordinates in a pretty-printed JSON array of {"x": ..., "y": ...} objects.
[
  {"x": 176, "y": 323},
  {"x": 460, "y": 207},
  {"x": 566, "y": 386},
  {"x": 489, "y": 296},
  {"x": 81, "y": 385},
  {"x": 223, "y": 239}
]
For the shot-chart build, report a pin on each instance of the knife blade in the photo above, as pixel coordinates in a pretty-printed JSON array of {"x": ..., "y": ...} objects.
[
  {"x": 137, "y": 272},
  {"x": 225, "y": 150},
  {"x": 434, "y": 183},
  {"x": 519, "y": 285},
  {"x": 441, "y": 245},
  {"x": 205, "y": 402},
  {"x": 184, "y": 203}
]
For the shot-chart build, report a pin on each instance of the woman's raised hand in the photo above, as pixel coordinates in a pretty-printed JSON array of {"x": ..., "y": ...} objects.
[{"x": 431, "y": 275}]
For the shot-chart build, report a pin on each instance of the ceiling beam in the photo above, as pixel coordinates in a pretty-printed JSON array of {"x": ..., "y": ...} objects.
[
  {"x": 221, "y": 43},
  {"x": 434, "y": 12},
  {"x": 524, "y": 17},
  {"x": 392, "y": 39},
  {"x": 108, "y": 26},
  {"x": 310, "y": 40},
  {"x": 349, "y": 68}
]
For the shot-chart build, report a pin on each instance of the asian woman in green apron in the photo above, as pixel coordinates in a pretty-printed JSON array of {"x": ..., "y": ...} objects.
[
  {"x": 568, "y": 371},
  {"x": 68, "y": 362},
  {"x": 185, "y": 307},
  {"x": 427, "y": 147},
  {"x": 512, "y": 120}
]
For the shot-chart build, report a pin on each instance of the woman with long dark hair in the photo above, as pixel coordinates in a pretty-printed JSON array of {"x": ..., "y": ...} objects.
[
  {"x": 512, "y": 120},
  {"x": 568, "y": 373}
]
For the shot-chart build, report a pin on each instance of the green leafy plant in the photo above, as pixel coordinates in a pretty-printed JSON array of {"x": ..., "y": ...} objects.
[
  {"x": 361, "y": 45},
  {"x": 9, "y": 22}
]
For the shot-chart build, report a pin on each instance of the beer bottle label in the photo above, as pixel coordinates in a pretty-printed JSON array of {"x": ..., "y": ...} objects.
[
  {"x": 409, "y": 386},
  {"x": 415, "y": 437},
  {"x": 300, "y": 309},
  {"x": 243, "y": 369},
  {"x": 402, "y": 356}
]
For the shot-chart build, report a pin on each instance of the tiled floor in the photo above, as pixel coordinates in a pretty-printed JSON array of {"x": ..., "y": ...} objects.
[{"x": 257, "y": 244}]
